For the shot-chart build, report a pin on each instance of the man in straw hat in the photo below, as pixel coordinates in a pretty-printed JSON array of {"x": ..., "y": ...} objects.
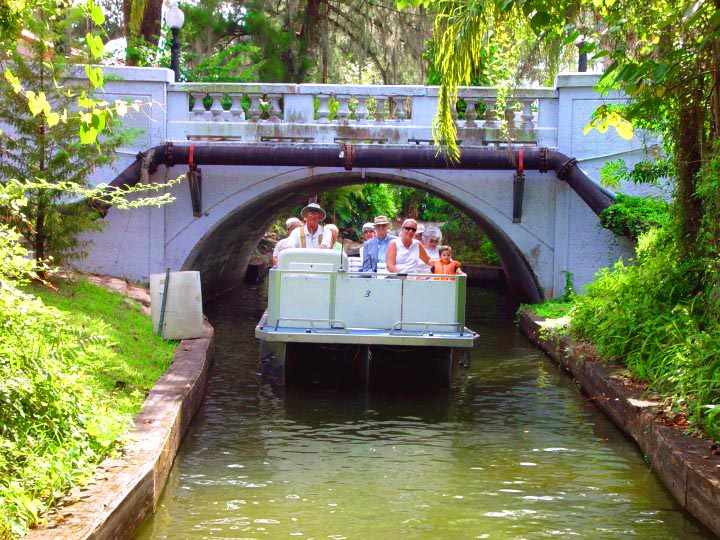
[
  {"x": 375, "y": 249},
  {"x": 309, "y": 235}
]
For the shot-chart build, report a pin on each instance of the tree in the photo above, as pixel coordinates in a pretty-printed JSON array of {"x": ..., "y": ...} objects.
[
  {"x": 142, "y": 26},
  {"x": 42, "y": 143}
]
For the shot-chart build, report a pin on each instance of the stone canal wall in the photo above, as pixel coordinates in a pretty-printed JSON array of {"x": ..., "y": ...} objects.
[
  {"x": 686, "y": 465},
  {"x": 126, "y": 490}
]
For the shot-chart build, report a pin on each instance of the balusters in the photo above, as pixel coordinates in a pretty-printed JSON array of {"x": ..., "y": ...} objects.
[
  {"x": 343, "y": 112},
  {"x": 509, "y": 114},
  {"x": 254, "y": 109},
  {"x": 274, "y": 107},
  {"x": 527, "y": 114},
  {"x": 198, "y": 109},
  {"x": 380, "y": 109},
  {"x": 236, "y": 111},
  {"x": 216, "y": 106},
  {"x": 361, "y": 112},
  {"x": 399, "y": 109},
  {"x": 470, "y": 113},
  {"x": 323, "y": 112},
  {"x": 490, "y": 113},
  {"x": 453, "y": 111}
]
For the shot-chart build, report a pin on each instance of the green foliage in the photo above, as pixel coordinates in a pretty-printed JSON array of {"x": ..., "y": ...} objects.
[
  {"x": 554, "y": 308},
  {"x": 631, "y": 216},
  {"x": 660, "y": 317},
  {"x": 613, "y": 173},
  {"x": 469, "y": 242},
  {"x": 44, "y": 147},
  {"x": 350, "y": 206},
  {"x": 71, "y": 379}
]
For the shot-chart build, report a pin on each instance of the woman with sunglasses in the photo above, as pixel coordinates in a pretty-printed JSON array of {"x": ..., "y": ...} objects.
[{"x": 405, "y": 252}]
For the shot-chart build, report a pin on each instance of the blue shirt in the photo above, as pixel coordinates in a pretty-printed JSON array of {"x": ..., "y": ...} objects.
[{"x": 382, "y": 248}]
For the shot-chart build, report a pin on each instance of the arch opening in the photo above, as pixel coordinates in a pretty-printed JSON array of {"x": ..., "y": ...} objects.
[{"x": 223, "y": 254}]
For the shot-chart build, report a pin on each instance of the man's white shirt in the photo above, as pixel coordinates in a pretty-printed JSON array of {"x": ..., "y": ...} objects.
[{"x": 312, "y": 240}]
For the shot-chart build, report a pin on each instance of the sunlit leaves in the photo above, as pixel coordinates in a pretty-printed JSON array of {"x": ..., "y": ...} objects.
[
  {"x": 96, "y": 46},
  {"x": 605, "y": 118},
  {"x": 13, "y": 80},
  {"x": 95, "y": 76},
  {"x": 97, "y": 15}
]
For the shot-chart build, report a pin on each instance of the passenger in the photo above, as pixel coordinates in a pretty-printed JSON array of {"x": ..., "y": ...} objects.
[
  {"x": 309, "y": 235},
  {"x": 445, "y": 264},
  {"x": 419, "y": 236},
  {"x": 291, "y": 224},
  {"x": 332, "y": 232},
  {"x": 419, "y": 233},
  {"x": 404, "y": 253},
  {"x": 375, "y": 249},
  {"x": 368, "y": 232},
  {"x": 433, "y": 237}
]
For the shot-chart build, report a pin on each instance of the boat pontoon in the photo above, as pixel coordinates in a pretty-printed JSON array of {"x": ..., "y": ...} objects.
[{"x": 380, "y": 322}]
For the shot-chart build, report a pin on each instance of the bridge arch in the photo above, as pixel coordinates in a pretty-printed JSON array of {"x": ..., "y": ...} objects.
[{"x": 222, "y": 251}]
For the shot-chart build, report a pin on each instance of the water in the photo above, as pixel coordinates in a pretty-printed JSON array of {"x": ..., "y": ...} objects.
[{"x": 516, "y": 453}]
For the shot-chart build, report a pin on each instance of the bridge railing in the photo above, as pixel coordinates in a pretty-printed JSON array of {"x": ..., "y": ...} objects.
[{"x": 317, "y": 113}]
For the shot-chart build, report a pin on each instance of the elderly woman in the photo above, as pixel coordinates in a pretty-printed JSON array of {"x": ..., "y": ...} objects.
[
  {"x": 332, "y": 243},
  {"x": 431, "y": 242},
  {"x": 404, "y": 253}
]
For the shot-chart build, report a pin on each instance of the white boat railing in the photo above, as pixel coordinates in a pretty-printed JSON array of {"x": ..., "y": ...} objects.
[{"x": 339, "y": 301}]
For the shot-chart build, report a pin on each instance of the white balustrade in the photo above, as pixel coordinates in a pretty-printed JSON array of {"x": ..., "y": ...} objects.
[{"x": 367, "y": 113}]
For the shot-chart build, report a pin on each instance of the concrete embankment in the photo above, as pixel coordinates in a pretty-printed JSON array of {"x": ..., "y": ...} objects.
[
  {"x": 686, "y": 465},
  {"x": 126, "y": 490}
]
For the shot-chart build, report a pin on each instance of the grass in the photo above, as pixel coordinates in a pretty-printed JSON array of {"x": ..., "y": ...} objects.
[
  {"x": 550, "y": 309},
  {"x": 76, "y": 364},
  {"x": 136, "y": 357}
]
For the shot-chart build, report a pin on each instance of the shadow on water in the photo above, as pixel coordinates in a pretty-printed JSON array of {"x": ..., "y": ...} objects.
[{"x": 514, "y": 452}]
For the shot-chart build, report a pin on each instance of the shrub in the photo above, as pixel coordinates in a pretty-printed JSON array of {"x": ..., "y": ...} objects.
[
  {"x": 654, "y": 315},
  {"x": 631, "y": 216}
]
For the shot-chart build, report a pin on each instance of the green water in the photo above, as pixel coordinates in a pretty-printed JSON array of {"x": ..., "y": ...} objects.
[{"x": 516, "y": 453}]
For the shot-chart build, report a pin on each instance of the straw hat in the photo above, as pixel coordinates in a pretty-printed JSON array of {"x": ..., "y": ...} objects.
[
  {"x": 313, "y": 206},
  {"x": 381, "y": 220}
]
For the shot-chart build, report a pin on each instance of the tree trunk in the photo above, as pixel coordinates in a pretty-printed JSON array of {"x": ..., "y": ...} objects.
[
  {"x": 689, "y": 161},
  {"x": 142, "y": 23}
]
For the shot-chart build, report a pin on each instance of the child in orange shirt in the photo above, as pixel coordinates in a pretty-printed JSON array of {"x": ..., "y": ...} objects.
[{"x": 445, "y": 264}]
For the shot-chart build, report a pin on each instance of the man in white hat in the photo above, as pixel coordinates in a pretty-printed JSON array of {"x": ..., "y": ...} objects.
[
  {"x": 309, "y": 235},
  {"x": 375, "y": 249},
  {"x": 291, "y": 224}
]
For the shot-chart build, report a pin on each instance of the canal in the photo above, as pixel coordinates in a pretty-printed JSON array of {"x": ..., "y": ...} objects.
[{"x": 517, "y": 452}]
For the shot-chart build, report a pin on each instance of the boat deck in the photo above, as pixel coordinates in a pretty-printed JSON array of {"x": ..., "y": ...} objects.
[{"x": 335, "y": 332}]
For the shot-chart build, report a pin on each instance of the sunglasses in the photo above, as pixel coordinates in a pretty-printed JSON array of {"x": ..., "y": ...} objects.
[
  {"x": 433, "y": 240},
  {"x": 413, "y": 229}
]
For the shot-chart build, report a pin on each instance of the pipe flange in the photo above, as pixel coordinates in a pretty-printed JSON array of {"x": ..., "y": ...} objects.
[
  {"x": 348, "y": 156},
  {"x": 543, "y": 167},
  {"x": 169, "y": 155},
  {"x": 564, "y": 169}
]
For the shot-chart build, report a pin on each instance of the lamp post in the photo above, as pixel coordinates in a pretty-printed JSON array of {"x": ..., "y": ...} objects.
[
  {"x": 582, "y": 55},
  {"x": 175, "y": 19}
]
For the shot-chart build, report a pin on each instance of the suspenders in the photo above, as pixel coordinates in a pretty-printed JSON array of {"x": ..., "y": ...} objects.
[{"x": 303, "y": 242}]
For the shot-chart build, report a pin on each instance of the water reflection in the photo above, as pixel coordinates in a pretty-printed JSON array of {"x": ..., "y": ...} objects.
[{"x": 516, "y": 452}]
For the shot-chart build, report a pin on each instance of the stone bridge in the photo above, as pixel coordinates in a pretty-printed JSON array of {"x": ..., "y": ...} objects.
[{"x": 264, "y": 148}]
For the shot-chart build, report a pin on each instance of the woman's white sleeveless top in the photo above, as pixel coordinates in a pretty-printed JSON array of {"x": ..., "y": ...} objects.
[
  {"x": 407, "y": 259},
  {"x": 423, "y": 268}
]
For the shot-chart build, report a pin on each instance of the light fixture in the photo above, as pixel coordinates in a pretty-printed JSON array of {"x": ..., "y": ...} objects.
[{"x": 175, "y": 18}]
